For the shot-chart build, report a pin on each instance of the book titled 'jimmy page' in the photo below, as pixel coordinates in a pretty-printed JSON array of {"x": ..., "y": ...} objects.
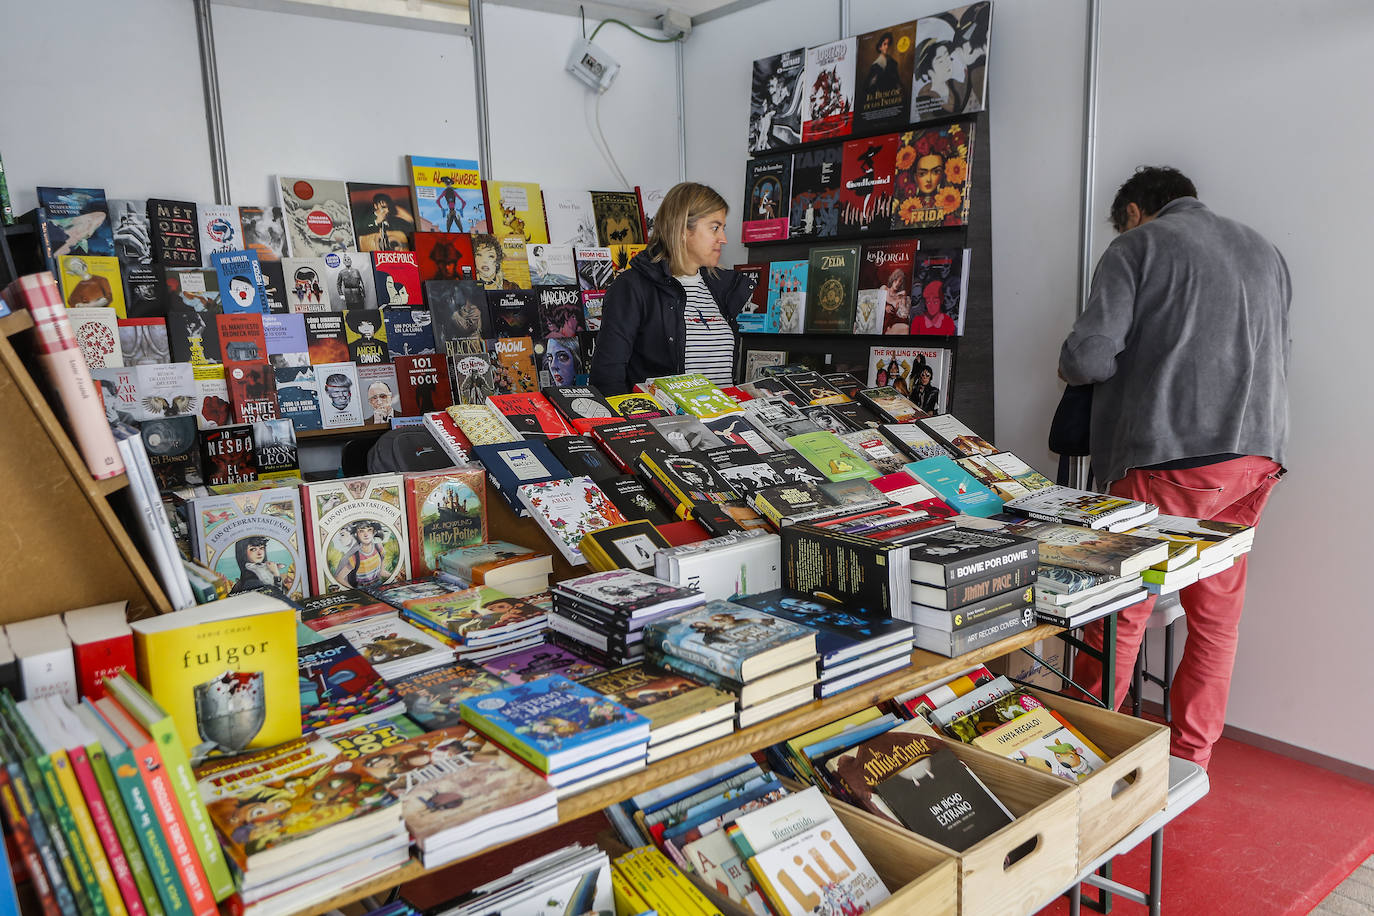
[{"x": 356, "y": 532}]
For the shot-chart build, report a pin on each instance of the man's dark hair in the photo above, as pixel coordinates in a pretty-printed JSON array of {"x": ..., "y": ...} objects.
[{"x": 1150, "y": 188}]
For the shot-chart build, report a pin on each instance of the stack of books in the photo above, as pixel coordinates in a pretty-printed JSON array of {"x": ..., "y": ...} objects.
[
  {"x": 645, "y": 880},
  {"x": 1072, "y": 597},
  {"x": 339, "y": 688},
  {"x": 1198, "y": 548},
  {"x": 682, "y": 713},
  {"x": 575, "y": 879},
  {"x": 1083, "y": 507},
  {"x": 606, "y": 612},
  {"x": 767, "y": 662},
  {"x": 479, "y": 622},
  {"x": 571, "y": 735},
  {"x": 513, "y": 569},
  {"x": 970, "y": 588},
  {"x": 856, "y": 644}
]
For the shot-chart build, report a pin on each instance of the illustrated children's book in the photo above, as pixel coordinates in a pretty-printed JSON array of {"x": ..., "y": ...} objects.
[
  {"x": 445, "y": 510},
  {"x": 432, "y": 697},
  {"x": 447, "y": 194},
  {"x": 339, "y": 687},
  {"x": 253, "y": 539},
  {"x": 357, "y": 532},
  {"x": 730, "y": 639}
]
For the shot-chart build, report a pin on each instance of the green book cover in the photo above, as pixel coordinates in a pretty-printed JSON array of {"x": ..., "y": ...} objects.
[
  {"x": 61, "y": 827},
  {"x": 123, "y": 768},
  {"x": 145, "y": 710},
  {"x": 695, "y": 394},
  {"x": 831, "y": 290},
  {"x": 124, "y": 829},
  {"x": 831, "y": 457}
]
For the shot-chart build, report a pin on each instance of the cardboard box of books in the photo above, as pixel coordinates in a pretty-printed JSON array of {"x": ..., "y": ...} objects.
[{"x": 1018, "y": 869}]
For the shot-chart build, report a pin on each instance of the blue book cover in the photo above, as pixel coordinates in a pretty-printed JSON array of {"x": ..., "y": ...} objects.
[
  {"x": 240, "y": 282},
  {"x": 78, "y": 220},
  {"x": 448, "y": 194},
  {"x": 285, "y": 335},
  {"x": 511, "y": 465},
  {"x": 843, "y": 631},
  {"x": 408, "y": 331},
  {"x": 721, "y": 636},
  {"x": 553, "y": 722},
  {"x": 786, "y": 297},
  {"x": 298, "y": 396},
  {"x": 957, "y": 487}
]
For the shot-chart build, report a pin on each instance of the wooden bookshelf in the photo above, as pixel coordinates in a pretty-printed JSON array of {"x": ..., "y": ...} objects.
[
  {"x": 344, "y": 431},
  {"x": 67, "y": 546},
  {"x": 925, "y": 667}
]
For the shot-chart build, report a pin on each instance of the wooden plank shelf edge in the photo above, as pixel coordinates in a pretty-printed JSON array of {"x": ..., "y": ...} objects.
[
  {"x": 925, "y": 667},
  {"x": 15, "y": 323}
]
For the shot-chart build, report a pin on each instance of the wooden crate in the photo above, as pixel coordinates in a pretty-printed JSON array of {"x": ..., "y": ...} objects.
[
  {"x": 1046, "y": 810},
  {"x": 1139, "y": 751}
]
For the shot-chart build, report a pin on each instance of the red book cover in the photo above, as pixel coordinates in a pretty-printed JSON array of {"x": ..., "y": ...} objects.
[
  {"x": 252, "y": 390},
  {"x": 397, "y": 276},
  {"x": 887, "y": 265},
  {"x": 99, "y": 658},
  {"x": 241, "y": 337},
  {"x": 423, "y": 382},
  {"x": 227, "y": 455},
  {"x": 105, "y": 828},
  {"x": 739, "y": 394},
  {"x": 531, "y": 414},
  {"x": 866, "y": 189},
  {"x": 443, "y": 428},
  {"x": 683, "y": 532},
  {"x": 443, "y": 255}
]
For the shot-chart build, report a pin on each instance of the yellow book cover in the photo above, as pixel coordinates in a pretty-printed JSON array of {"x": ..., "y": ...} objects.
[
  {"x": 795, "y": 745},
  {"x": 90, "y": 280},
  {"x": 85, "y": 826},
  {"x": 225, "y": 672},
  {"x": 447, "y": 194},
  {"x": 515, "y": 262},
  {"x": 516, "y": 209},
  {"x": 622, "y": 255},
  {"x": 1020, "y": 731},
  {"x": 628, "y": 902}
]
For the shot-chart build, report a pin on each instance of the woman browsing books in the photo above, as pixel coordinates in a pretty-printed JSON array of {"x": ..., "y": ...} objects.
[{"x": 673, "y": 310}]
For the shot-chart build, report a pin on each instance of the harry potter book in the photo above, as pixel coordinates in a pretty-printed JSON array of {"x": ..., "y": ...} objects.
[{"x": 445, "y": 510}]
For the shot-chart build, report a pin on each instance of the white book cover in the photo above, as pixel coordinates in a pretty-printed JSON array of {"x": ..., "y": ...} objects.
[
  {"x": 220, "y": 230},
  {"x": 357, "y": 532},
  {"x": 348, "y": 278},
  {"x": 395, "y": 648},
  {"x": 97, "y": 333},
  {"x": 551, "y": 265},
  {"x": 571, "y": 218},
  {"x": 341, "y": 403},
  {"x": 317, "y": 214},
  {"x": 821, "y": 871},
  {"x": 567, "y": 510},
  {"x": 44, "y": 653},
  {"x": 747, "y": 567},
  {"x": 790, "y": 816},
  {"x": 868, "y": 312}
]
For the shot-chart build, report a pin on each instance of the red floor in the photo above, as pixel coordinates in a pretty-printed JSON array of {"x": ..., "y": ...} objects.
[{"x": 1272, "y": 838}]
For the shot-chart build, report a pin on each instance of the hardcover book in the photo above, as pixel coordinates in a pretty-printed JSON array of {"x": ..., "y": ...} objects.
[
  {"x": 227, "y": 456},
  {"x": 78, "y": 221},
  {"x": 480, "y": 424},
  {"x": 626, "y": 545},
  {"x": 787, "y": 290},
  {"x": 948, "y": 83},
  {"x": 560, "y": 311},
  {"x": 828, "y": 81},
  {"x": 317, "y": 215},
  {"x": 832, "y": 275},
  {"x": 594, "y": 268},
  {"x": 253, "y": 539},
  {"x": 886, "y": 266},
  {"x": 816, "y": 185},
  {"x": 568, "y": 509},
  {"x": 777, "y": 94},
  {"x": 932, "y": 182},
  {"x": 514, "y": 313},
  {"x": 939, "y": 285},
  {"x": 445, "y": 510},
  {"x": 553, "y": 265},
  {"x": 633, "y": 500},
  {"x": 382, "y": 216},
  {"x": 685, "y": 479},
  {"x": 512, "y": 361},
  {"x": 516, "y": 209},
  {"x": 409, "y": 331},
  {"x": 356, "y": 532},
  {"x": 636, "y": 406},
  {"x": 530, "y": 415},
  {"x": 867, "y": 184},
  {"x": 619, "y": 219},
  {"x": 511, "y": 465},
  {"x": 397, "y": 278},
  {"x": 920, "y": 374},
  {"x": 886, "y": 59},
  {"x": 447, "y": 194},
  {"x": 767, "y": 190},
  {"x": 732, "y": 640},
  {"x": 471, "y": 376},
  {"x": 560, "y": 364},
  {"x": 432, "y": 697},
  {"x": 582, "y": 405},
  {"x": 570, "y": 217},
  {"x": 795, "y": 889}
]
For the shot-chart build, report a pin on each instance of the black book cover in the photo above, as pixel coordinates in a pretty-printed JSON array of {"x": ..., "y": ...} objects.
[
  {"x": 176, "y": 233},
  {"x": 687, "y": 476},
  {"x": 883, "y": 78},
  {"x": 837, "y": 566},
  {"x": 325, "y": 337},
  {"x": 843, "y": 630},
  {"x": 940, "y": 798},
  {"x": 994, "y": 607},
  {"x": 959, "y": 555},
  {"x": 794, "y": 468},
  {"x": 580, "y": 402},
  {"x": 977, "y": 590},
  {"x": 812, "y": 387},
  {"x": 856, "y": 416},
  {"x": 274, "y": 287},
  {"x": 145, "y": 291},
  {"x": 826, "y": 419},
  {"x": 366, "y": 335},
  {"x": 625, "y": 441},
  {"x": 846, "y": 383},
  {"x": 560, "y": 311},
  {"x": 514, "y": 313},
  {"x": 409, "y": 331},
  {"x": 790, "y": 499},
  {"x": 816, "y": 185},
  {"x": 193, "y": 337},
  {"x": 274, "y": 447},
  {"x": 776, "y": 94},
  {"x": 635, "y": 502},
  {"x": 744, "y": 469},
  {"x": 831, "y": 287},
  {"x": 173, "y": 451},
  {"x": 459, "y": 309},
  {"x": 767, "y": 189},
  {"x": 227, "y": 455},
  {"x": 582, "y": 458},
  {"x": 629, "y": 546}
]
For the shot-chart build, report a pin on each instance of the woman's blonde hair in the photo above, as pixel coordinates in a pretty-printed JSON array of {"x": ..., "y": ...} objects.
[{"x": 683, "y": 206}]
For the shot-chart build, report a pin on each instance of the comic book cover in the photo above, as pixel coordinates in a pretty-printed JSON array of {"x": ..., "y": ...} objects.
[
  {"x": 560, "y": 311},
  {"x": 317, "y": 217},
  {"x": 622, "y": 255},
  {"x": 240, "y": 282},
  {"x": 951, "y": 57},
  {"x": 472, "y": 377},
  {"x": 92, "y": 281},
  {"x": 883, "y": 77},
  {"x": 409, "y": 331},
  {"x": 220, "y": 231},
  {"x": 939, "y": 285},
  {"x": 443, "y": 255},
  {"x": 348, "y": 281},
  {"x": 476, "y": 615},
  {"x": 594, "y": 270},
  {"x": 828, "y": 82},
  {"x": 619, "y": 220},
  {"x": 776, "y": 98},
  {"x": 721, "y": 636},
  {"x": 432, "y": 696},
  {"x": 176, "y": 238},
  {"x": 423, "y": 382},
  {"x": 365, "y": 333},
  {"x": 253, "y": 539},
  {"x": 767, "y": 188},
  {"x": 831, "y": 280},
  {"x": 921, "y": 374},
  {"x": 397, "y": 278},
  {"x": 341, "y": 403},
  {"x": 786, "y": 297},
  {"x": 552, "y": 265},
  {"x": 512, "y": 362},
  {"x": 517, "y": 210},
  {"x": 866, "y": 179},
  {"x": 815, "y": 202},
  {"x": 275, "y": 449},
  {"x": 445, "y": 510},
  {"x": 489, "y": 263},
  {"x": 326, "y": 340},
  {"x": 226, "y": 455},
  {"x": 79, "y": 221},
  {"x": 447, "y": 194},
  {"x": 379, "y": 386},
  {"x": 340, "y": 689},
  {"x": 514, "y": 313},
  {"x": 382, "y": 216},
  {"x": 264, "y": 232},
  {"x": 541, "y": 661},
  {"x": 459, "y": 310},
  {"x": 133, "y": 232},
  {"x": 933, "y": 165},
  {"x": 572, "y": 222},
  {"x": 560, "y": 362},
  {"x": 306, "y": 288},
  {"x": 356, "y": 530},
  {"x": 886, "y": 266},
  {"x": 252, "y": 390}
]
